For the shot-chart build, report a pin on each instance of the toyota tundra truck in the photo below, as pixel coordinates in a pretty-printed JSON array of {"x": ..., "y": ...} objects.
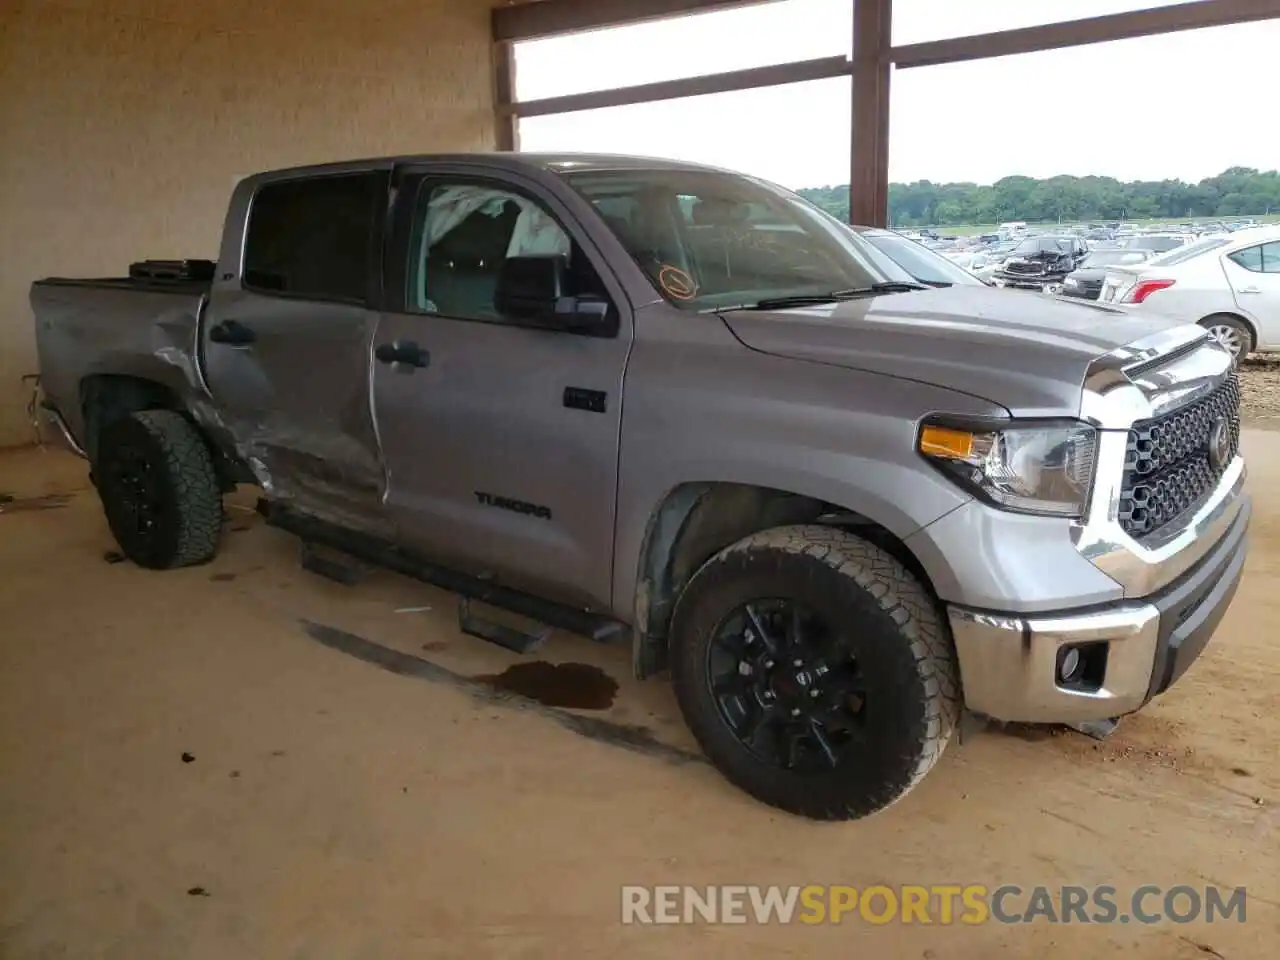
[{"x": 683, "y": 408}]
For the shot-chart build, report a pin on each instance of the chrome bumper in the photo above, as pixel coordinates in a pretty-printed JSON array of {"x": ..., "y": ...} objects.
[{"x": 1010, "y": 664}]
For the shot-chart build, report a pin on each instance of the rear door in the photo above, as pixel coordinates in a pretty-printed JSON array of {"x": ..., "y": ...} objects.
[
  {"x": 286, "y": 341},
  {"x": 501, "y": 441},
  {"x": 1254, "y": 275}
]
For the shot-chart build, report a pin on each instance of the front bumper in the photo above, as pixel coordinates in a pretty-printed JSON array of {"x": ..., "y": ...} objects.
[
  {"x": 1041, "y": 283},
  {"x": 1132, "y": 650}
]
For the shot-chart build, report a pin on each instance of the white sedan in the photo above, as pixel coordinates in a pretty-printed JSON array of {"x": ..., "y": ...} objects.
[{"x": 1229, "y": 284}]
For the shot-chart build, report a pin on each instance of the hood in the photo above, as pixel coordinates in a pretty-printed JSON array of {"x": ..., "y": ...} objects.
[{"x": 1026, "y": 353}]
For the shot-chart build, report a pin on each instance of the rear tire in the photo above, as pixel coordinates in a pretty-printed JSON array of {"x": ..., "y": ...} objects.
[
  {"x": 843, "y": 618},
  {"x": 1232, "y": 332},
  {"x": 159, "y": 490}
]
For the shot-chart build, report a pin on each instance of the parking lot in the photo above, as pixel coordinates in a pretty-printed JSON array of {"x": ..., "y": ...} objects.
[{"x": 243, "y": 760}]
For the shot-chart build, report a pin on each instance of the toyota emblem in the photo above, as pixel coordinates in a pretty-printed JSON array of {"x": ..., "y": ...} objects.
[{"x": 1220, "y": 444}]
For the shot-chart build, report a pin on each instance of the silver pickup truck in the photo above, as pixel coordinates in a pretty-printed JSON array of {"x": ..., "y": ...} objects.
[{"x": 654, "y": 401}]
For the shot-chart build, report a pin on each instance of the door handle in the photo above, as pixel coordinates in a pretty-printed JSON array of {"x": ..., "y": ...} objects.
[
  {"x": 1248, "y": 290},
  {"x": 402, "y": 351},
  {"x": 232, "y": 333}
]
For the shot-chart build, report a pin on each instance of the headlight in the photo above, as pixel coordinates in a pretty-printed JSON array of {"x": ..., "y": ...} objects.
[{"x": 1043, "y": 468}]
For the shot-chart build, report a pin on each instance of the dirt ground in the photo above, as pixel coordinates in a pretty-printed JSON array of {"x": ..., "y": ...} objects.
[
  {"x": 1260, "y": 391},
  {"x": 243, "y": 760}
]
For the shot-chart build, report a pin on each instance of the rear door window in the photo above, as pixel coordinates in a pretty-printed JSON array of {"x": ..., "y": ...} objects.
[{"x": 313, "y": 238}]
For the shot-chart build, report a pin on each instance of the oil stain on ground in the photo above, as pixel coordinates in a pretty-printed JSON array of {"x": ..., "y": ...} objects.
[
  {"x": 631, "y": 737},
  {"x": 580, "y": 686}
]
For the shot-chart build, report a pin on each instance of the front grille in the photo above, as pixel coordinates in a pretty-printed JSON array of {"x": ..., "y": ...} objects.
[
  {"x": 1029, "y": 269},
  {"x": 1168, "y": 468}
]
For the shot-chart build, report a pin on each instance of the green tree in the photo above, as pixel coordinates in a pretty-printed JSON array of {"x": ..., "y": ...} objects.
[{"x": 1237, "y": 191}]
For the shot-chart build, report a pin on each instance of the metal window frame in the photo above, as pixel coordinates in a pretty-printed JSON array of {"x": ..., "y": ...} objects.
[{"x": 870, "y": 69}]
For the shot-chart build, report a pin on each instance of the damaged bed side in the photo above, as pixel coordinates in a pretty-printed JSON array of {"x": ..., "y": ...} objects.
[
  {"x": 287, "y": 410},
  {"x": 111, "y": 346}
]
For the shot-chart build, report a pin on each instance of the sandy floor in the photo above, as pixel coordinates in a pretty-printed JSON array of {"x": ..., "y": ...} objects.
[{"x": 333, "y": 809}]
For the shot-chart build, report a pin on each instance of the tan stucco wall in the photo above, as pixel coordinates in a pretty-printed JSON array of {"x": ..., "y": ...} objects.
[{"x": 123, "y": 123}]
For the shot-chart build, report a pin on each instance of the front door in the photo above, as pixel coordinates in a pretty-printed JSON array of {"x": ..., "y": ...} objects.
[
  {"x": 500, "y": 440},
  {"x": 286, "y": 345}
]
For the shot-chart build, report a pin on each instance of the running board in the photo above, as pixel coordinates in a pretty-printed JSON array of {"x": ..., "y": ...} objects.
[
  {"x": 512, "y": 638},
  {"x": 594, "y": 626}
]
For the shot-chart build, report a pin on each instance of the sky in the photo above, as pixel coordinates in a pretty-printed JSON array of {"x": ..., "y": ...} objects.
[{"x": 1184, "y": 106}]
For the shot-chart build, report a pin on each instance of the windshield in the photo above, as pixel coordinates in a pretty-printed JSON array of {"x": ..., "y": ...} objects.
[
  {"x": 918, "y": 260},
  {"x": 1114, "y": 258},
  {"x": 1190, "y": 250},
  {"x": 711, "y": 240}
]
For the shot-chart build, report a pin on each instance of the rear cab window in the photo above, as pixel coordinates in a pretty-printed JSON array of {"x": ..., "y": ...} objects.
[{"x": 314, "y": 237}]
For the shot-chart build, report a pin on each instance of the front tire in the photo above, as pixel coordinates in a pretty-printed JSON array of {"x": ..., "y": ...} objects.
[
  {"x": 159, "y": 490},
  {"x": 814, "y": 671}
]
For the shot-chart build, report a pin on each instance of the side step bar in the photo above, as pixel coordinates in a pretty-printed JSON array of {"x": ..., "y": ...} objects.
[{"x": 594, "y": 626}]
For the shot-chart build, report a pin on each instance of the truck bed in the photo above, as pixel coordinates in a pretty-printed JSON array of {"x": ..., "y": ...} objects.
[
  {"x": 114, "y": 326},
  {"x": 142, "y": 285}
]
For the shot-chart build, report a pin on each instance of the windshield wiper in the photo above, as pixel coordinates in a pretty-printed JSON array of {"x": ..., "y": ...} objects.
[{"x": 816, "y": 299}]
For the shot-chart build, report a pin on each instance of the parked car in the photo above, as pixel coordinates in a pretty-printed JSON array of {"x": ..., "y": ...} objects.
[
  {"x": 1229, "y": 284},
  {"x": 1041, "y": 264},
  {"x": 923, "y": 264},
  {"x": 1086, "y": 280},
  {"x": 658, "y": 402}
]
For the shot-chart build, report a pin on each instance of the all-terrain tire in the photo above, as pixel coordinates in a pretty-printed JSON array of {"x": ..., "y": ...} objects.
[
  {"x": 158, "y": 459},
  {"x": 889, "y": 620}
]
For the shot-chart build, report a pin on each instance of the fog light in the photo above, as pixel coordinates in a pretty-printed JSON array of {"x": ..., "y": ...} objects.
[{"x": 1069, "y": 665}]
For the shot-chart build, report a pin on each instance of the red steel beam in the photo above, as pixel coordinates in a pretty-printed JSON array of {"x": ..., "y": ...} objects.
[
  {"x": 869, "y": 160},
  {"x": 798, "y": 72},
  {"x": 1196, "y": 15},
  {"x": 507, "y": 130},
  {"x": 535, "y": 19}
]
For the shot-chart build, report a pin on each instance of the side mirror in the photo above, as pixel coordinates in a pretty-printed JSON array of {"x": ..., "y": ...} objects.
[{"x": 531, "y": 290}]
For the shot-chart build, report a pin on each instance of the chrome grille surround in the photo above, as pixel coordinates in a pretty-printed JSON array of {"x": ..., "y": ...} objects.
[{"x": 1145, "y": 381}]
